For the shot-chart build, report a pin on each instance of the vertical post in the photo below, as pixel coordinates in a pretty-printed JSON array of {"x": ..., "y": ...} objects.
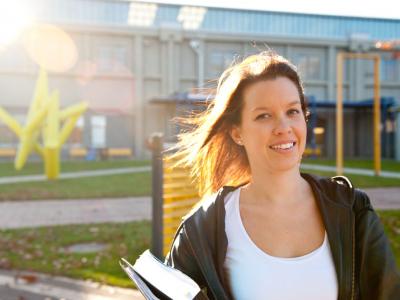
[
  {"x": 198, "y": 48},
  {"x": 139, "y": 98},
  {"x": 313, "y": 124},
  {"x": 384, "y": 132},
  {"x": 377, "y": 117},
  {"x": 339, "y": 114},
  {"x": 171, "y": 65},
  {"x": 200, "y": 79},
  {"x": 397, "y": 134},
  {"x": 157, "y": 195}
]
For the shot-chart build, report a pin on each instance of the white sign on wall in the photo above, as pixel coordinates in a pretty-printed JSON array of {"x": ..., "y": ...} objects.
[{"x": 99, "y": 124}]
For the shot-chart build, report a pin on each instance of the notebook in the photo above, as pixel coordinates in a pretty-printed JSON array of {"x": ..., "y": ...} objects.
[{"x": 155, "y": 280}]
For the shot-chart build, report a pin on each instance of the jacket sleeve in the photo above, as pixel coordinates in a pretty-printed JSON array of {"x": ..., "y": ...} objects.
[
  {"x": 379, "y": 277},
  {"x": 182, "y": 257}
]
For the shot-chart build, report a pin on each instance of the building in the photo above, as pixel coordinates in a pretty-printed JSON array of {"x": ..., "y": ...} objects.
[{"x": 130, "y": 53}]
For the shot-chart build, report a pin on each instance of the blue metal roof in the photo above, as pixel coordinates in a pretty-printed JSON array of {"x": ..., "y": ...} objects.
[
  {"x": 219, "y": 20},
  {"x": 189, "y": 98},
  {"x": 385, "y": 103}
]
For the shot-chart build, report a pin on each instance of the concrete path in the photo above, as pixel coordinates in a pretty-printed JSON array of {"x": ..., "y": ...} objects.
[
  {"x": 19, "y": 214},
  {"x": 66, "y": 175},
  {"x": 384, "y": 198},
  {"x": 35, "y": 286},
  {"x": 106, "y": 172}
]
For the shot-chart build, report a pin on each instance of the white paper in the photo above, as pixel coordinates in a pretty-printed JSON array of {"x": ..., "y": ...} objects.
[{"x": 171, "y": 282}]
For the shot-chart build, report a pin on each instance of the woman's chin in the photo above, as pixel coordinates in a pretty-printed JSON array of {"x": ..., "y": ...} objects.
[{"x": 285, "y": 166}]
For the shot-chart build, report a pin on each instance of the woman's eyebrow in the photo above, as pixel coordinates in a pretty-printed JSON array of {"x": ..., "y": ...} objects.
[
  {"x": 260, "y": 108},
  {"x": 295, "y": 102}
]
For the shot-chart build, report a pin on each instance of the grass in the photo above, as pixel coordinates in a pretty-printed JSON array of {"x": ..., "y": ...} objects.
[
  {"x": 41, "y": 250},
  {"x": 123, "y": 185},
  {"x": 136, "y": 184},
  {"x": 391, "y": 223},
  {"x": 387, "y": 164},
  {"x": 361, "y": 181},
  {"x": 32, "y": 168}
]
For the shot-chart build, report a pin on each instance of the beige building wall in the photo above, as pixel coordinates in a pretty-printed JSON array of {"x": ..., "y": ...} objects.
[{"x": 120, "y": 70}]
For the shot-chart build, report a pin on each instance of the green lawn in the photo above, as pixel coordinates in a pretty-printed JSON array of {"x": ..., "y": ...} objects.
[
  {"x": 387, "y": 165},
  {"x": 40, "y": 249},
  {"x": 391, "y": 222},
  {"x": 32, "y": 168},
  {"x": 123, "y": 185},
  {"x": 135, "y": 184},
  {"x": 361, "y": 181}
]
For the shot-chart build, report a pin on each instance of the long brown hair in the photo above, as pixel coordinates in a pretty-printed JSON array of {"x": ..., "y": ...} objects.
[{"x": 208, "y": 149}]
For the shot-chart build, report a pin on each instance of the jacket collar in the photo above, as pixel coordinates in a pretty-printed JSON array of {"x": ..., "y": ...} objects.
[{"x": 335, "y": 203}]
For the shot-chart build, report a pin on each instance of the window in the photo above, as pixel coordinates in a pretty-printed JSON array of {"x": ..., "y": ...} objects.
[
  {"x": 389, "y": 70},
  {"x": 142, "y": 14},
  {"x": 112, "y": 58},
  {"x": 7, "y": 137},
  {"x": 309, "y": 65},
  {"x": 76, "y": 137},
  {"x": 191, "y": 17},
  {"x": 104, "y": 57},
  {"x": 219, "y": 61}
]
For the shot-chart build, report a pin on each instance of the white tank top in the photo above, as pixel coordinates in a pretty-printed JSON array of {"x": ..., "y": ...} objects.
[{"x": 253, "y": 274}]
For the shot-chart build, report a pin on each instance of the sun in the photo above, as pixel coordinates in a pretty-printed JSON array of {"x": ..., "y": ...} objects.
[{"x": 15, "y": 16}]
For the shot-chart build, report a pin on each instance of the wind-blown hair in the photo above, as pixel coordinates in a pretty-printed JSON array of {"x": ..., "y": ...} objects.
[{"x": 208, "y": 149}]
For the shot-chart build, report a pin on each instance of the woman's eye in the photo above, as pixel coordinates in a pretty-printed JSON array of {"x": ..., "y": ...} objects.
[
  {"x": 294, "y": 111},
  {"x": 262, "y": 116}
]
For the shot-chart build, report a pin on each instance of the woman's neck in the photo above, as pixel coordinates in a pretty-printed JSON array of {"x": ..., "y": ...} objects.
[{"x": 277, "y": 188}]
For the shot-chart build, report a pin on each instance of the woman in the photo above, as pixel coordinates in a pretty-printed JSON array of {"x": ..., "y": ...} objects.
[{"x": 267, "y": 231}]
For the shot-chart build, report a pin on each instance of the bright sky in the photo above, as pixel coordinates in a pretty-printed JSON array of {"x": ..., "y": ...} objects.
[{"x": 361, "y": 8}]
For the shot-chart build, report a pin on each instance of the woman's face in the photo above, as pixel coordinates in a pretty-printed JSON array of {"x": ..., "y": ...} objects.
[{"x": 273, "y": 128}]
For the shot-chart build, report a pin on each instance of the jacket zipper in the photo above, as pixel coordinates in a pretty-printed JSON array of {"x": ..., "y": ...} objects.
[{"x": 353, "y": 259}]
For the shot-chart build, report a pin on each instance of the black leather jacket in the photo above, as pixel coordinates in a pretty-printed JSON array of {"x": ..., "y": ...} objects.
[{"x": 364, "y": 263}]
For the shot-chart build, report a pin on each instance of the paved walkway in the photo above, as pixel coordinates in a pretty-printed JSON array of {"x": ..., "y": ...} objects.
[
  {"x": 384, "y": 198},
  {"x": 18, "y": 214},
  {"x": 35, "y": 286},
  {"x": 107, "y": 172},
  {"x": 66, "y": 175}
]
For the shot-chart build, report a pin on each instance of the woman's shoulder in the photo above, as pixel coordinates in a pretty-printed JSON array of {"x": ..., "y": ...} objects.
[
  {"x": 337, "y": 188},
  {"x": 341, "y": 190},
  {"x": 210, "y": 206}
]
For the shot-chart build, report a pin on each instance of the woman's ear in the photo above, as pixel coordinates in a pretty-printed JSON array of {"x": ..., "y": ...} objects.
[
  {"x": 307, "y": 116},
  {"x": 236, "y": 135}
]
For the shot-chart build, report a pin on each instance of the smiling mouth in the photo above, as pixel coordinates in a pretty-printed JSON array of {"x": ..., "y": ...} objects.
[{"x": 286, "y": 146}]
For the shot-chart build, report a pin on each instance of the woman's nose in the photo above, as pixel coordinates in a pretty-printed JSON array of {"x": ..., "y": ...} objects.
[{"x": 282, "y": 126}]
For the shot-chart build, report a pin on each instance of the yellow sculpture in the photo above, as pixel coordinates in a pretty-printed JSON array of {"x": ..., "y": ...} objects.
[{"x": 44, "y": 119}]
